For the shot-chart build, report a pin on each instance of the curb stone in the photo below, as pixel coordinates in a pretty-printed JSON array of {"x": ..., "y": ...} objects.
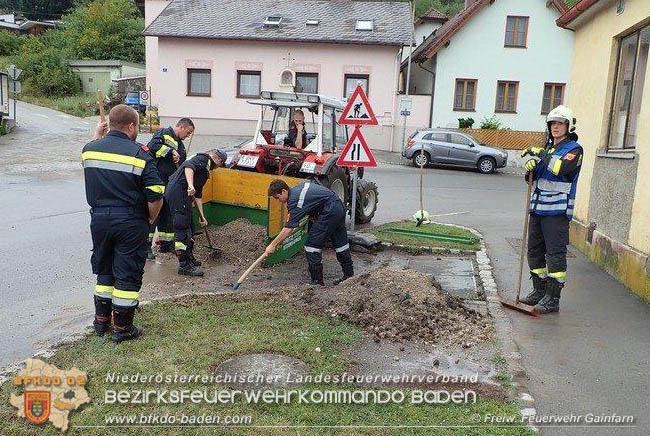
[{"x": 503, "y": 328}]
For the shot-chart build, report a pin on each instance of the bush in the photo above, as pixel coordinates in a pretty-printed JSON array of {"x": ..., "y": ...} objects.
[
  {"x": 47, "y": 74},
  {"x": 465, "y": 123},
  {"x": 492, "y": 123},
  {"x": 10, "y": 43}
]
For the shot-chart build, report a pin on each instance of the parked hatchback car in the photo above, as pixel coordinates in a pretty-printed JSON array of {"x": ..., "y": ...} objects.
[{"x": 448, "y": 147}]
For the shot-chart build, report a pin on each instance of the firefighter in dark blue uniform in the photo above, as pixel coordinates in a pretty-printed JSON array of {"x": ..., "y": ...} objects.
[
  {"x": 555, "y": 170},
  {"x": 168, "y": 149},
  {"x": 125, "y": 194},
  {"x": 185, "y": 186},
  {"x": 327, "y": 210}
]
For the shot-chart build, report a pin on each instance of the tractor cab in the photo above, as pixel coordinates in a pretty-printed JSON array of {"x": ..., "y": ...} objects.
[{"x": 269, "y": 152}]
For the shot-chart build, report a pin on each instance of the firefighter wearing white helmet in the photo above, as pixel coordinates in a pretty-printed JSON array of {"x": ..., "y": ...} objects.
[{"x": 554, "y": 169}]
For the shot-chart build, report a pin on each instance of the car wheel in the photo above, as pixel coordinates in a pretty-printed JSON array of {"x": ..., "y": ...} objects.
[
  {"x": 421, "y": 159},
  {"x": 486, "y": 165}
]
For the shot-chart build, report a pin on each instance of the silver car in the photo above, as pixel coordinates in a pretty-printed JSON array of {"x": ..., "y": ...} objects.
[{"x": 448, "y": 147}]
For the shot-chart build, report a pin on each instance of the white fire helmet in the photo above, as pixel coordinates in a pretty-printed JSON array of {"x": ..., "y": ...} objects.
[{"x": 562, "y": 114}]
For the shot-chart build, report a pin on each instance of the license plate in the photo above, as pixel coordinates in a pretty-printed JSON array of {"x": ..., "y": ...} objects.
[
  {"x": 308, "y": 167},
  {"x": 247, "y": 161}
]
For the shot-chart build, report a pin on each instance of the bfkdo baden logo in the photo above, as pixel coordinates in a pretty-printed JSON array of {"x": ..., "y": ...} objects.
[
  {"x": 49, "y": 393},
  {"x": 37, "y": 406}
]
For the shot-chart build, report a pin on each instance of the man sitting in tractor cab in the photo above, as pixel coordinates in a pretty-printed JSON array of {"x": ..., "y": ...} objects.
[{"x": 297, "y": 136}]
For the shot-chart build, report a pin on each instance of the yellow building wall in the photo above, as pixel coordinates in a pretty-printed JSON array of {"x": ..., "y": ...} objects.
[{"x": 590, "y": 91}]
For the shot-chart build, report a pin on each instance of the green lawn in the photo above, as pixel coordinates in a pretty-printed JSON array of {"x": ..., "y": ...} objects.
[
  {"x": 76, "y": 105},
  {"x": 382, "y": 233},
  {"x": 193, "y": 335}
]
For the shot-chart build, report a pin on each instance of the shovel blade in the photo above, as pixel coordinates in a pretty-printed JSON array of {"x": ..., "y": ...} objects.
[{"x": 519, "y": 307}]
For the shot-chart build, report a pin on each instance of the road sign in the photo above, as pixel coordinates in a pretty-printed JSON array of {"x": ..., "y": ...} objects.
[
  {"x": 14, "y": 73},
  {"x": 405, "y": 104},
  {"x": 405, "y": 113},
  {"x": 15, "y": 87},
  {"x": 356, "y": 152},
  {"x": 145, "y": 98},
  {"x": 358, "y": 111}
]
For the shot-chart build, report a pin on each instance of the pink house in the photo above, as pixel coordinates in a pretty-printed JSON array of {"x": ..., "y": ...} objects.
[{"x": 206, "y": 58}]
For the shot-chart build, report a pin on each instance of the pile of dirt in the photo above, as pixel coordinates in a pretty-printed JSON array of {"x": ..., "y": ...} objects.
[
  {"x": 396, "y": 305},
  {"x": 240, "y": 241}
]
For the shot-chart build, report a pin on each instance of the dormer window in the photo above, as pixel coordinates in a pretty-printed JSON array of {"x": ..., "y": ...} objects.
[
  {"x": 272, "y": 21},
  {"x": 365, "y": 25}
]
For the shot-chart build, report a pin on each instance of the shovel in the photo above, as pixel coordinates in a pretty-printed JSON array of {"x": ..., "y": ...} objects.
[
  {"x": 520, "y": 307},
  {"x": 215, "y": 253}
]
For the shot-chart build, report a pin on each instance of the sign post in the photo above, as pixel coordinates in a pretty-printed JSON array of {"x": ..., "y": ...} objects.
[{"x": 356, "y": 152}]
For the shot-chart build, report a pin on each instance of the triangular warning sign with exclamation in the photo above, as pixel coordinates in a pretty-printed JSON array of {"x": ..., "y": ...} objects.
[
  {"x": 358, "y": 111},
  {"x": 356, "y": 152}
]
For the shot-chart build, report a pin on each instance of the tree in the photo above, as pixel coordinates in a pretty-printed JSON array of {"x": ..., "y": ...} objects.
[
  {"x": 38, "y": 9},
  {"x": 106, "y": 29}
]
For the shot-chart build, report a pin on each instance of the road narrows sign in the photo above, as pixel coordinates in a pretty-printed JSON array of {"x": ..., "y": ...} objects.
[
  {"x": 358, "y": 111},
  {"x": 356, "y": 152}
]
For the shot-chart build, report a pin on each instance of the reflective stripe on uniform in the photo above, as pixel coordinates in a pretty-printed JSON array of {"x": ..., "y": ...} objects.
[
  {"x": 115, "y": 166},
  {"x": 162, "y": 151},
  {"x": 551, "y": 207},
  {"x": 312, "y": 249},
  {"x": 125, "y": 302},
  {"x": 126, "y": 295},
  {"x": 113, "y": 157},
  {"x": 169, "y": 140},
  {"x": 553, "y": 198},
  {"x": 164, "y": 236},
  {"x": 180, "y": 246},
  {"x": 548, "y": 185},
  {"x": 554, "y": 165},
  {"x": 541, "y": 272},
  {"x": 303, "y": 194},
  {"x": 150, "y": 237},
  {"x": 160, "y": 189},
  {"x": 103, "y": 289},
  {"x": 342, "y": 249},
  {"x": 560, "y": 276}
]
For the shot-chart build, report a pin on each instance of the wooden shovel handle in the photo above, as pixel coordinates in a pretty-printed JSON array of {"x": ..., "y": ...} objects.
[
  {"x": 100, "y": 106},
  {"x": 524, "y": 237}
]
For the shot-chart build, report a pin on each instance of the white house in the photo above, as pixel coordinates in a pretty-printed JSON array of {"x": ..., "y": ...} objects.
[
  {"x": 207, "y": 58},
  {"x": 503, "y": 58}
]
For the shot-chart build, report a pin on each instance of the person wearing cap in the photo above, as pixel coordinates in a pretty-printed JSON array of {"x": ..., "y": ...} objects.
[
  {"x": 554, "y": 170},
  {"x": 184, "y": 188}
]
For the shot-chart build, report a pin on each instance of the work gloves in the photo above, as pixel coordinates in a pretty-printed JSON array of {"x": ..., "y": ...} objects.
[
  {"x": 532, "y": 151},
  {"x": 531, "y": 165}
]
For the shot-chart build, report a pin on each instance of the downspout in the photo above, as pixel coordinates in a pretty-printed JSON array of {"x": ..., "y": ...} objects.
[
  {"x": 396, "y": 83},
  {"x": 433, "y": 88}
]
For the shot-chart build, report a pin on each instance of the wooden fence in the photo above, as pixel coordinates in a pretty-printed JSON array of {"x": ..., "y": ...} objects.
[{"x": 507, "y": 139}]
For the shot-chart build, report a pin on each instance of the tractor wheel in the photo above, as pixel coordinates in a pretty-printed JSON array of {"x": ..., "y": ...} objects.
[
  {"x": 337, "y": 182},
  {"x": 367, "y": 199}
]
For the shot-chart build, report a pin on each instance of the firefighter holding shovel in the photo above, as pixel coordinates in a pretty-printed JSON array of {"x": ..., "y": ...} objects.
[{"x": 555, "y": 170}]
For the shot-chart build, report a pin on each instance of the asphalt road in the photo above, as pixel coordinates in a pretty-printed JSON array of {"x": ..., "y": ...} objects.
[{"x": 590, "y": 358}]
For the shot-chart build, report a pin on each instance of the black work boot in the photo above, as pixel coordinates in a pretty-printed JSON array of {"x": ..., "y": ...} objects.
[
  {"x": 150, "y": 255},
  {"x": 539, "y": 291},
  {"x": 185, "y": 266},
  {"x": 102, "y": 322},
  {"x": 166, "y": 247},
  {"x": 345, "y": 259},
  {"x": 190, "y": 255},
  {"x": 316, "y": 273},
  {"x": 551, "y": 301},
  {"x": 123, "y": 328}
]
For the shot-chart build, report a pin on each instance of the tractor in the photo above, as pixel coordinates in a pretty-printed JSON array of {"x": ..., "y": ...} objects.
[{"x": 267, "y": 153}]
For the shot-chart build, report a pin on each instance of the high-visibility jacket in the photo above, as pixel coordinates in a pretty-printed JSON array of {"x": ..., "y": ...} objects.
[
  {"x": 163, "y": 142},
  {"x": 555, "y": 193}
]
